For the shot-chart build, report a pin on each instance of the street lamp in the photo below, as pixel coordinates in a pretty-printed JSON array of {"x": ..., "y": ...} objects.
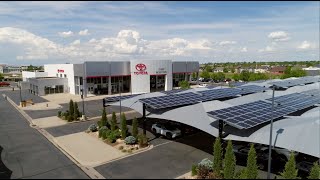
[
  {"x": 20, "y": 91},
  {"x": 270, "y": 140},
  {"x": 120, "y": 97},
  {"x": 83, "y": 113}
]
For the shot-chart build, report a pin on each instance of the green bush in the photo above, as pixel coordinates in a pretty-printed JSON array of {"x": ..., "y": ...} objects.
[
  {"x": 217, "y": 156},
  {"x": 101, "y": 130},
  {"x": 135, "y": 130},
  {"x": 59, "y": 113},
  {"x": 229, "y": 162},
  {"x": 99, "y": 123},
  {"x": 71, "y": 111},
  {"x": 113, "y": 122},
  {"x": 123, "y": 126},
  {"x": 315, "y": 171},
  {"x": 142, "y": 140},
  {"x": 252, "y": 167},
  {"x": 130, "y": 140},
  {"x": 129, "y": 151},
  {"x": 121, "y": 147},
  {"x": 76, "y": 113},
  {"x": 207, "y": 163},
  {"x": 203, "y": 172},
  {"x": 290, "y": 171},
  {"x": 194, "y": 170},
  {"x": 104, "y": 134},
  {"x": 93, "y": 128},
  {"x": 124, "y": 150},
  {"x": 112, "y": 137}
]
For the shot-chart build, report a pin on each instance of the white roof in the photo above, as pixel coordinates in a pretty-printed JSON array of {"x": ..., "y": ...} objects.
[{"x": 301, "y": 133}]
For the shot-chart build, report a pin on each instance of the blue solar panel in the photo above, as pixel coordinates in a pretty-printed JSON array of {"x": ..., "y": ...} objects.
[
  {"x": 221, "y": 93},
  {"x": 249, "y": 115},
  {"x": 117, "y": 98},
  {"x": 173, "y": 91},
  {"x": 313, "y": 92},
  {"x": 252, "y": 89},
  {"x": 295, "y": 82},
  {"x": 236, "y": 84}
]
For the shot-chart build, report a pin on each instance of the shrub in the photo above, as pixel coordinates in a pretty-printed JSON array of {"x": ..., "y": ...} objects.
[
  {"x": 124, "y": 150},
  {"x": 194, "y": 170},
  {"x": 121, "y": 147},
  {"x": 123, "y": 126},
  {"x": 132, "y": 148},
  {"x": 99, "y": 123},
  {"x": 252, "y": 168},
  {"x": 229, "y": 162},
  {"x": 59, "y": 113},
  {"x": 129, "y": 151},
  {"x": 137, "y": 148},
  {"x": 130, "y": 140},
  {"x": 104, "y": 134},
  {"x": 315, "y": 171},
  {"x": 203, "y": 172},
  {"x": 104, "y": 119},
  {"x": 213, "y": 175},
  {"x": 112, "y": 137},
  {"x": 207, "y": 163},
  {"x": 217, "y": 156},
  {"x": 135, "y": 130},
  {"x": 142, "y": 140},
  {"x": 76, "y": 113},
  {"x": 290, "y": 171},
  {"x": 93, "y": 128},
  {"x": 71, "y": 111},
  {"x": 113, "y": 121},
  {"x": 101, "y": 130}
]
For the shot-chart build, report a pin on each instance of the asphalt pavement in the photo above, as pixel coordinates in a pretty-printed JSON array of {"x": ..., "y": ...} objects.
[
  {"x": 25, "y": 95},
  {"x": 27, "y": 153}
]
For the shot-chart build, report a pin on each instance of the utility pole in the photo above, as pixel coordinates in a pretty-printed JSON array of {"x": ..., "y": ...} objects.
[
  {"x": 120, "y": 98},
  {"x": 270, "y": 140}
]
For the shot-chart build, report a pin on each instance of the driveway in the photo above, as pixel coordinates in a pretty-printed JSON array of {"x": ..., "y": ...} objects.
[
  {"x": 27, "y": 153},
  {"x": 167, "y": 160}
]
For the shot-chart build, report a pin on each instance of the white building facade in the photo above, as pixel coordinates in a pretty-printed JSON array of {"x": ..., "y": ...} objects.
[{"x": 110, "y": 77}]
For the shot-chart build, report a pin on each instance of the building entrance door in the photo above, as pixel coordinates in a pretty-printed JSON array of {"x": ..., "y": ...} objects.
[{"x": 157, "y": 83}]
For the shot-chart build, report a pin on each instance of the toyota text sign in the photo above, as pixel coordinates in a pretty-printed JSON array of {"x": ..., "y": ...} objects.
[{"x": 141, "y": 69}]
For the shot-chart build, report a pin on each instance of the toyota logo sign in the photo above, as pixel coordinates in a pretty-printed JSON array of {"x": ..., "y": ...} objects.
[{"x": 141, "y": 67}]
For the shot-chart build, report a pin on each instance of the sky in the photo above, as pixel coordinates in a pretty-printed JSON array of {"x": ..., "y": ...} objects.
[{"x": 73, "y": 32}]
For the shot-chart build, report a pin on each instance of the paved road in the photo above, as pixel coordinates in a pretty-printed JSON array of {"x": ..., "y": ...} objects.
[
  {"x": 15, "y": 96},
  {"x": 28, "y": 153},
  {"x": 167, "y": 160}
]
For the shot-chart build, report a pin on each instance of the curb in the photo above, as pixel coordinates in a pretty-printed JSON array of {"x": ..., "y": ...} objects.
[
  {"x": 122, "y": 157},
  {"x": 90, "y": 172}
]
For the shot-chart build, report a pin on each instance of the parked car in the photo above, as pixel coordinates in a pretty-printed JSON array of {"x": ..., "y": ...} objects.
[
  {"x": 169, "y": 131},
  {"x": 203, "y": 85},
  {"x": 4, "y": 84},
  {"x": 304, "y": 168}
]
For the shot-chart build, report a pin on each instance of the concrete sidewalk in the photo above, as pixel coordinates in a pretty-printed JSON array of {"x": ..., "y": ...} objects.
[
  {"x": 49, "y": 122},
  {"x": 87, "y": 150}
]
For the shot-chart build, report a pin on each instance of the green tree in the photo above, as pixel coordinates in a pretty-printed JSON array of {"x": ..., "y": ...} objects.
[
  {"x": 221, "y": 76},
  {"x": 217, "y": 156},
  {"x": 184, "y": 85},
  {"x": 113, "y": 121},
  {"x": 1, "y": 77},
  {"x": 194, "y": 75},
  {"x": 104, "y": 119},
  {"x": 245, "y": 75},
  {"x": 229, "y": 162},
  {"x": 205, "y": 74},
  {"x": 123, "y": 126},
  {"x": 225, "y": 70},
  {"x": 252, "y": 167},
  {"x": 233, "y": 70},
  {"x": 135, "y": 130},
  {"x": 76, "y": 112},
  {"x": 315, "y": 171},
  {"x": 236, "y": 77},
  {"x": 290, "y": 171},
  {"x": 71, "y": 110}
]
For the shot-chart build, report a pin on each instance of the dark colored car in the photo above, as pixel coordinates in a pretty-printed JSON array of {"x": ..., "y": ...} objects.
[
  {"x": 304, "y": 168},
  {"x": 4, "y": 84}
]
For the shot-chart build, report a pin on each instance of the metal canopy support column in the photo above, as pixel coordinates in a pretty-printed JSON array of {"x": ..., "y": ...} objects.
[
  {"x": 144, "y": 118},
  {"x": 220, "y": 128}
]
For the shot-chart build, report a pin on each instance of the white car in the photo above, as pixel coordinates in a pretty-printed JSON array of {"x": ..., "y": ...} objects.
[
  {"x": 203, "y": 85},
  {"x": 170, "y": 132}
]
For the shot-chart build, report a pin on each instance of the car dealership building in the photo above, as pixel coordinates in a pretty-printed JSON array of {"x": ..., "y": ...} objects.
[{"x": 109, "y": 77}]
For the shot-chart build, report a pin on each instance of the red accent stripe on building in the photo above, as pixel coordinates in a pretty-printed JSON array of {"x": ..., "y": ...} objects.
[
  {"x": 182, "y": 73},
  {"x": 96, "y": 76}
]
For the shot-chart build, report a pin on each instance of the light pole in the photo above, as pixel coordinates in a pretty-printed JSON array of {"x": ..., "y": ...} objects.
[
  {"x": 270, "y": 140},
  {"x": 20, "y": 91},
  {"x": 83, "y": 113},
  {"x": 120, "y": 97}
]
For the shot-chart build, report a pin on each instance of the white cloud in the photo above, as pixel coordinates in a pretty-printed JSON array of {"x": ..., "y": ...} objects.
[
  {"x": 222, "y": 43},
  {"x": 84, "y": 32},
  {"x": 66, "y": 34},
  {"x": 305, "y": 45},
  {"x": 279, "y": 36},
  {"x": 267, "y": 49},
  {"x": 75, "y": 43},
  {"x": 244, "y": 49}
]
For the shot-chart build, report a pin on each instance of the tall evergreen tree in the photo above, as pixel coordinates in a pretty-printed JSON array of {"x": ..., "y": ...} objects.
[
  {"x": 229, "y": 162},
  {"x": 76, "y": 111},
  {"x": 252, "y": 167},
  {"x": 71, "y": 110},
  {"x": 315, "y": 171},
  {"x": 104, "y": 119},
  {"x": 113, "y": 121},
  {"x": 135, "y": 130},
  {"x": 217, "y": 156},
  {"x": 123, "y": 126},
  {"x": 290, "y": 171}
]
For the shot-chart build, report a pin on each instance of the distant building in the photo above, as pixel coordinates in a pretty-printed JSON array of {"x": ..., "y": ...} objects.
[
  {"x": 261, "y": 69},
  {"x": 278, "y": 70},
  {"x": 218, "y": 69},
  {"x": 312, "y": 71}
]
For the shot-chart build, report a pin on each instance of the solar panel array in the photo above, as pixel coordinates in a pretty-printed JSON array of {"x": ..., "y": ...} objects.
[
  {"x": 295, "y": 82},
  {"x": 172, "y": 100},
  {"x": 313, "y": 92},
  {"x": 252, "y": 89},
  {"x": 172, "y": 91},
  {"x": 221, "y": 93},
  {"x": 250, "y": 115},
  {"x": 117, "y": 98},
  {"x": 236, "y": 84}
]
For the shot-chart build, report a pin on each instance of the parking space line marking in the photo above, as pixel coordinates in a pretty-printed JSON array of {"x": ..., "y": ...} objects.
[{"x": 163, "y": 143}]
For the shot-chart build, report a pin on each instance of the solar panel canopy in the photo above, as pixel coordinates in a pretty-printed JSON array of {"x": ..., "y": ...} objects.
[
  {"x": 173, "y": 91},
  {"x": 250, "y": 115},
  {"x": 118, "y": 98}
]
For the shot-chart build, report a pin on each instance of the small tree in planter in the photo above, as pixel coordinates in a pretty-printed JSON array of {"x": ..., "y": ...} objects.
[
  {"x": 315, "y": 171},
  {"x": 113, "y": 121},
  {"x": 123, "y": 126},
  {"x": 252, "y": 167},
  {"x": 71, "y": 111},
  {"x": 101, "y": 130},
  {"x": 142, "y": 140},
  {"x": 76, "y": 114},
  {"x": 194, "y": 170},
  {"x": 229, "y": 162},
  {"x": 217, "y": 156},
  {"x": 112, "y": 137},
  {"x": 135, "y": 130},
  {"x": 104, "y": 119},
  {"x": 290, "y": 171},
  {"x": 59, "y": 114}
]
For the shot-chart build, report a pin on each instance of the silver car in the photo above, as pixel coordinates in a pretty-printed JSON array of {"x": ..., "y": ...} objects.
[{"x": 170, "y": 132}]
